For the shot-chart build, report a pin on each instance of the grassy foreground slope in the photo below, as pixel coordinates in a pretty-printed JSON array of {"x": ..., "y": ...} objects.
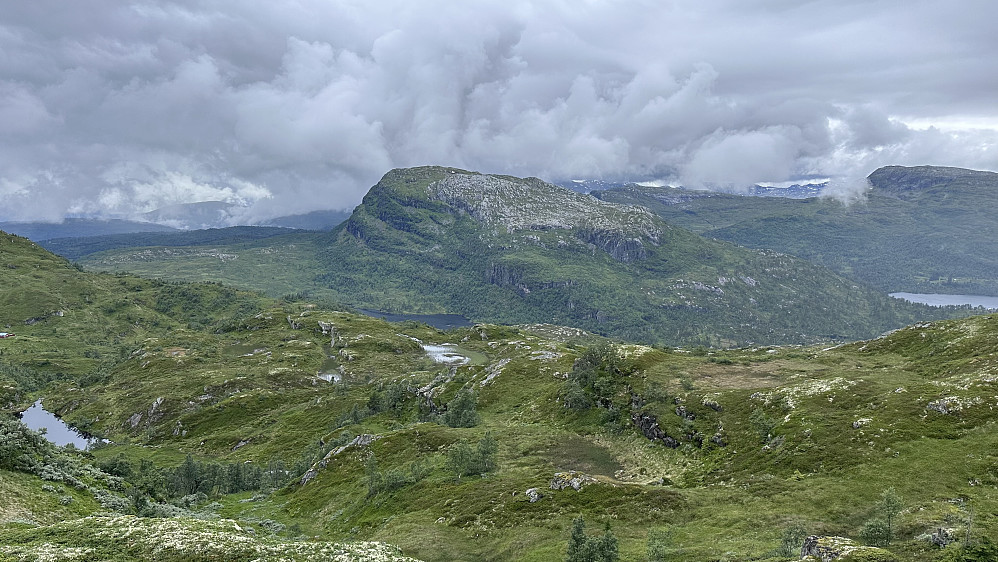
[
  {"x": 513, "y": 250},
  {"x": 74, "y": 331},
  {"x": 356, "y": 428},
  {"x": 922, "y": 229}
]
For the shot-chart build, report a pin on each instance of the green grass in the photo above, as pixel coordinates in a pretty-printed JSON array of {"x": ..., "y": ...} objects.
[
  {"x": 612, "y": 270},
  {"x": 236, "y": 371}
]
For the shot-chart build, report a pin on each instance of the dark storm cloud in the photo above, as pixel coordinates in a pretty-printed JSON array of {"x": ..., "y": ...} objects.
[{"x": 122, "y": 107}]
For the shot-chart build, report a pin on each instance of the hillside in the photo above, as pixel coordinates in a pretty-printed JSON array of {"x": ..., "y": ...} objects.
[
  {"x": 511, "y": 250},
  {"x": 923, "y": 229},
  {"x": 453, "y": 445},
  {"x": 79, "y": 227},
  {"x": 74, "y": 248}
]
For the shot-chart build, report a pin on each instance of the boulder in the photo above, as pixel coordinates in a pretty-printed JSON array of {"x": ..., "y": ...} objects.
[
  {"x": 840, "y": 549},
  {"x": 649, "y": 427},
  {"x": 571, "y": 479},
  {"x": 534, "y": 495}
]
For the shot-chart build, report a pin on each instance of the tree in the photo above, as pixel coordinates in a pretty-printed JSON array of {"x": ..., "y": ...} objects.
[
  {"x": 879, "y": 530},
  {"x": 792, "y": 540},
  {"x": 578, "y": 542},
  {"x": 461, "y": 410},
  {"x": 763, "y": 424},
  {"x": 464, "y": 460},
  {"x": 188, "y": 476},
  {"x": 890, "y": 507},
  {"x": 583, "y": 548}
]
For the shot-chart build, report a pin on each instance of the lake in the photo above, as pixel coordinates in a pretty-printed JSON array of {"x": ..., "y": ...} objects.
[
  {"x": 56, "y": 431},
  {"x": 438, "y": 321},
  {"x": 935, "y": 299}
]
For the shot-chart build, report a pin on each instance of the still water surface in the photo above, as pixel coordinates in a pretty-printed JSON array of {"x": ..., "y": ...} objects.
[
  {"x": 36, "y": 417},
  {"x": 438, "y": 321},
  {"x": 935, "y": 299}
]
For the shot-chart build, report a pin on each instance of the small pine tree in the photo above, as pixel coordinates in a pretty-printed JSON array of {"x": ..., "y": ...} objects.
[
  {"x": 890, "y": 507},
  {"x": 577, "y": 542},
  {"x": 583, "y": 548}
]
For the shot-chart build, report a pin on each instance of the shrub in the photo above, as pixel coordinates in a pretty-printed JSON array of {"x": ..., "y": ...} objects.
[
  {"x": 461, "y": 410},
  {"x": 584, "y": 548},
  {"x": 465, "y": 460},
  {"x": 21, "y": 448}
]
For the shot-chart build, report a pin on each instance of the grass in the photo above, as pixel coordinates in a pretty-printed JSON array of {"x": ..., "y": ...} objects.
[{"x": 730, "y": 502}]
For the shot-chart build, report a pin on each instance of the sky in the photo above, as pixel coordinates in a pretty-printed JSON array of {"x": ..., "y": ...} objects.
[{"x": 118, "y": 107}]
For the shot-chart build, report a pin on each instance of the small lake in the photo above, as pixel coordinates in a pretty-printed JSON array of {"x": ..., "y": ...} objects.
[
  {"x": 450, "y": 354},
  {"x": 37, "y": 418},
  {"x": 438, "y": 321},
  {"x": 935, "y": 299}
]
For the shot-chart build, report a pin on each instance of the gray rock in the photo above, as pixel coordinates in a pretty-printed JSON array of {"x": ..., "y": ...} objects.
[
  {"x": 826, "y": 549},
  {"x": 571, "y": 479},
  {"x": 942, "y": 536},
  {"x": 534, "y": 495}
]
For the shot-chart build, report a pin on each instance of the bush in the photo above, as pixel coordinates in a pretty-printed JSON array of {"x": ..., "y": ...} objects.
[
  {"x": 465, "y": 460},
  {"x": 21, "y": 448},
  {"x": 461, "y": 410},
  {"x": 584, "y": 548},
  {"x": 763, "y": 424},
  {"x": 792, "y": 540},
  {"x": 659, "y": 541}
]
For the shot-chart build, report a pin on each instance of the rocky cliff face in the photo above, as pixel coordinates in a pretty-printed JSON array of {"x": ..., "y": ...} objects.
[{"x": 530, "y": 204}]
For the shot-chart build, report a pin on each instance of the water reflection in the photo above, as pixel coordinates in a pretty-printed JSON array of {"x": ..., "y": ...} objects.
[
  {"x": 56, "y": 431},
  {"x": 438, "y": 321}
]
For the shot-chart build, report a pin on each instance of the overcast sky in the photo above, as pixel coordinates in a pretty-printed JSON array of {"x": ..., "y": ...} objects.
[{"x": 121, "y": 106}]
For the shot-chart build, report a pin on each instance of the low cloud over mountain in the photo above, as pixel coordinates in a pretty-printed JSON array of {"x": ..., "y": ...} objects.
[{"x": 125, "y": 107}]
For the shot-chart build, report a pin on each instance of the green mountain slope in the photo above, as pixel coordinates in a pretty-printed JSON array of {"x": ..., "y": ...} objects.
[
  {"x": 513, "y": 250},
  {"x": 922, "y": 229},
  {"x": 364, "y": 430}
]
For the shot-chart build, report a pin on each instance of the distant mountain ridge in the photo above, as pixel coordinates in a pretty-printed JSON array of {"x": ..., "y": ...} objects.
[
  {"x": 512, "y": 250},
  {"x": 924, "y": 229}
]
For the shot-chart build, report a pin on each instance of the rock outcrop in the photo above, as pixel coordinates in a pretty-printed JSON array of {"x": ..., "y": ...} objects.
[
  {"x": 648, "y": 424},
  {"x": 840, "y": 549},
  {"x": 571, "y": 479}
]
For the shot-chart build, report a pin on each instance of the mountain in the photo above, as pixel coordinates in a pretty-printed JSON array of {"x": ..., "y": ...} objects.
[
  {"x": 76, "y": 248},
  {"x": 316, "y": 220},
  {"x": 241, "y": 427},
  {"x": 513, "y": 250},
  {"x": 79, "y": 227},
  {"x": 924, "y": 229}
]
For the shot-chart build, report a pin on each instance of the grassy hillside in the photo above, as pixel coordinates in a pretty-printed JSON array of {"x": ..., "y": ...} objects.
[
  {"x": 354, "y": 430},
  {"x": 510, "y": 250},
  {"x": 75, "y": 248},
  {"x": 922, "y": 229}
]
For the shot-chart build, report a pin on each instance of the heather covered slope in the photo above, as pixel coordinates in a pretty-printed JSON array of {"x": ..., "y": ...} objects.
[
  {"x": 359, "y": 429},
  {"x": 925, "y": 229},
  {"x": 511, "y": 250}
]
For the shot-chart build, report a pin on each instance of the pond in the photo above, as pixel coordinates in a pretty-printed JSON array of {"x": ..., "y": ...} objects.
[
  {"x": 935, "y": 299},
  {"x": 450, "y": 354},
  {"x": 438, "y": 321},
  {"x": 56, "y": 431}
]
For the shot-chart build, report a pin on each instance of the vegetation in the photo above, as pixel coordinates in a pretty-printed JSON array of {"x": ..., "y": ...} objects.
[
  {"x": 924, "y": 229},
  {"x": 584, "y": 548},
  {"x": 428, "y": 240},
  {"x": 229, "y": 411}
]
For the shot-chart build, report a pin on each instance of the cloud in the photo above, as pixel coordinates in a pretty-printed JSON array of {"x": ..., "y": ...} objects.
[{"x": 119, "y": 107}]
